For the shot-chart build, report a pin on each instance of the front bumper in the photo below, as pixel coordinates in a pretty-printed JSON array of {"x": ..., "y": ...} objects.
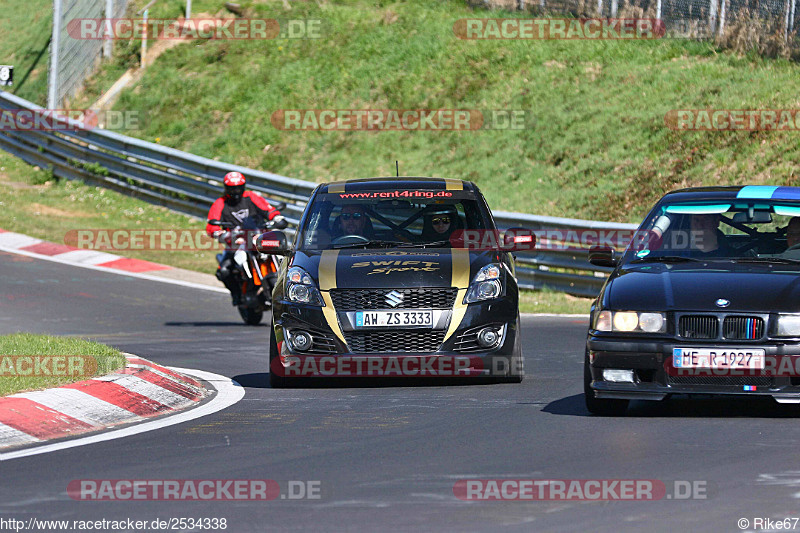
[
  {"x": 655, "y": 377},
  {"x": 453, "y": 356}
]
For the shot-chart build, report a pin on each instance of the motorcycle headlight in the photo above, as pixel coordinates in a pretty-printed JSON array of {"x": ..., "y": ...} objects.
[
  {"x": 486, "y": 284},
  {"x": 630, "y": 321},
  {"x": 301, "y": 288},
  {"x": 788, "y": 326}
]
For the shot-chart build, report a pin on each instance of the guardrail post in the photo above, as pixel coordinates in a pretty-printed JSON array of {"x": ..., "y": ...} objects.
[
  {"x": 144, "y": 38},
  {"x": 712, "y": 16},
  {"x": 107, "y": 43},
  {"x": 55, "y": 50}
]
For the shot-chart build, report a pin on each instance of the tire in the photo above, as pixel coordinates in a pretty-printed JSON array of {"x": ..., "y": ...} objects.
[
  {"x": 517, "y": 362},
  {"x": 597, "y": 406},
  {"x": 251, "y": 317},
  {"x": 275, "y": 381}
]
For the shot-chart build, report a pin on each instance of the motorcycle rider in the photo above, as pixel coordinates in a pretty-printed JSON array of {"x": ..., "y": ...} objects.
[{"x": 234, "y": 206}]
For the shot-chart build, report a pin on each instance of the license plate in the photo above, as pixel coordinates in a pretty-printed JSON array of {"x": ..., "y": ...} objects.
[
  {"x": 378, "y": 319},
  {"x": 718, "y": 358}
]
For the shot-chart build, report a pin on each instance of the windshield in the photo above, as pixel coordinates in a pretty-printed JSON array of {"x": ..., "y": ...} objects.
[
  {"x": 334, "y": 221},
  {"x": 755, "y": 231}
]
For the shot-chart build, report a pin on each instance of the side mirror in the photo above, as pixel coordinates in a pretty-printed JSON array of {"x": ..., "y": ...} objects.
[
  {"x": 273, "y": 242},
  {"x": 519, "y": 240},
  {"x": 602, "y": 256}
]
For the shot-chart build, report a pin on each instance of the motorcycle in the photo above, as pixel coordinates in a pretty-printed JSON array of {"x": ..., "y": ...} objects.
[{"x": 257, "y": 272}]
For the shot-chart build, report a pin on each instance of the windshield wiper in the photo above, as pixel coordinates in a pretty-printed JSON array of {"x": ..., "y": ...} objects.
[
  {"x": 424, "y": 244},
  {"x": 783, "y": 260},
  {"x": 665, "y": 259},
  {"x": 372, "y": 243}
]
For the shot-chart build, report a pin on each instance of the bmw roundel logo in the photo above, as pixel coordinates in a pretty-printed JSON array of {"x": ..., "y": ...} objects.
[{"x": 722, "y": 302}]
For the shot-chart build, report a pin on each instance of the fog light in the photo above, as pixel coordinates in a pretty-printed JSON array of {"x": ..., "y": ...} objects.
[
  {"x": 301, "y": 340},
  {"x": 610, "y": 374},
  {"x": 488, "y": 337}
]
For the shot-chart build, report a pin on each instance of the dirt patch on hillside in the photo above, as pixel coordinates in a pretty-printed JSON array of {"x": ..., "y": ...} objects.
[{"x": 39, "y": 209}]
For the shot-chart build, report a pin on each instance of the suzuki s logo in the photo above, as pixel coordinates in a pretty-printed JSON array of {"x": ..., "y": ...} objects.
[
  {"x": 722, "y": 302},
  {"x": 394, "y": 298}
]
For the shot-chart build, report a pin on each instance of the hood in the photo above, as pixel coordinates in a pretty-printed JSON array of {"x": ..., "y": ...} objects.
[
  {"x": 656, "y": 287},
  {"x": 392, "y": 268}
]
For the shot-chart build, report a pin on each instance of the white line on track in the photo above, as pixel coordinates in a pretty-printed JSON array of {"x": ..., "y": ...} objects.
[
  {"x": 55, "y": 259},
  {"x": 228, "y": 393}
]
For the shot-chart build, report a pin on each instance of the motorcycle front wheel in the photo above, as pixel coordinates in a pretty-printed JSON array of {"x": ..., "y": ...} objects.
[{"x": 251, "y": 317}]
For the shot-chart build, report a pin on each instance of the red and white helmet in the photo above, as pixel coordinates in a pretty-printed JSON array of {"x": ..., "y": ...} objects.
[
  {"x": 234, "y": 185},
  {"x": 234, "y": 179}
]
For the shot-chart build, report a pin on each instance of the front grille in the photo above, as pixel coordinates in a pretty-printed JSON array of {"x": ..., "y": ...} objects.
[
  {"x": 743, "y": 327},
  {"x": 416, "y": 341},
  {"x": 416, "y": 298},
  {"x": 698, "y": 327},
  {"x": 738, "y": 381}
]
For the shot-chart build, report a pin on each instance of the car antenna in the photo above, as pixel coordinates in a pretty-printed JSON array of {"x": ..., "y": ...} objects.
[{"x": 397, "y": 167}]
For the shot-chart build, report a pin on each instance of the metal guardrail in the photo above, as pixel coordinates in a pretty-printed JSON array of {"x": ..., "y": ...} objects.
[{"x": 189, "y": 183}]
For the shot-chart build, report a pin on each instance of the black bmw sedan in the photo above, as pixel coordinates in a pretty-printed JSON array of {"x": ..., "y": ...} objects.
[
  {"x": 705, "y": 300},
  {"x": 395, "y": 277}
]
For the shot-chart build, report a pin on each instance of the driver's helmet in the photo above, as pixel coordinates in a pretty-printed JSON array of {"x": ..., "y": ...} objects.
[{"x": 234, "y": 186}]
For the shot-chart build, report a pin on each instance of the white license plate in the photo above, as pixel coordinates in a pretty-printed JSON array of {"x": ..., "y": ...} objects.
[
  {"x": 378, "y": 319},
  {"x": 718, "y": 358}
]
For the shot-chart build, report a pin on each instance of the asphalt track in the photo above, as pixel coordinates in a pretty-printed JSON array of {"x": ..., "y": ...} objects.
[{"x": 387, "y": 457}]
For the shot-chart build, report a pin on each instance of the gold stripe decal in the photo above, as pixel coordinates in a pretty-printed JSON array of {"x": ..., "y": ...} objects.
[
  {"x": 336, "y": 187},
  {"x": 452, "y": 184},
  {"x": 460, "y": 280},
  {"x": 327, "y": 281}
]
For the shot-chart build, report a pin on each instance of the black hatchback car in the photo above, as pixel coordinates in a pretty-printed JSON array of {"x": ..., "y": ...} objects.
[
  {"x": 705, "y": 300},
  {"x": 379, "y": 282}
]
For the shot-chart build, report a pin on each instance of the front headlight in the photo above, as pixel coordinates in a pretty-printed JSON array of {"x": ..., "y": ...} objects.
[
  {"x": 630, "y": 321},
  {"x": 788, "y": 326},
  {"x": 301, "y": 288},
  {"x": 486, "y": 284}
]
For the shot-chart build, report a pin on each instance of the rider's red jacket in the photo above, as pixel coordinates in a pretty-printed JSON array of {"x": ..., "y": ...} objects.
[{"x": 250, "y": 204}]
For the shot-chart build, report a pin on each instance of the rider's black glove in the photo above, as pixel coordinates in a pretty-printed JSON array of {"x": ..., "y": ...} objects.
[{"x": 279, "y": 222}]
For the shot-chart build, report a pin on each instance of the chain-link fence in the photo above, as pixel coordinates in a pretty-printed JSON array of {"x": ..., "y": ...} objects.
[
  {"x": 73, "y": 59},
  {"x": 689, "y": 18}
]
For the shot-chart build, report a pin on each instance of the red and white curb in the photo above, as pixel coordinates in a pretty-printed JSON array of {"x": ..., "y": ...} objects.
[
  {"x": 18, "y": 241},
  {"x": 21, "y": 244},
  {"x": 139, "y": 391}
]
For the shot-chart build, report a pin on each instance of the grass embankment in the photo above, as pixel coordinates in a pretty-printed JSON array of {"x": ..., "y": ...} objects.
[
  {"x": 25, "y": 29},
  {"x": 599, "y": 147},
  {"x": 50, "y": 209},
  {"x": 19, "y": 374}
]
